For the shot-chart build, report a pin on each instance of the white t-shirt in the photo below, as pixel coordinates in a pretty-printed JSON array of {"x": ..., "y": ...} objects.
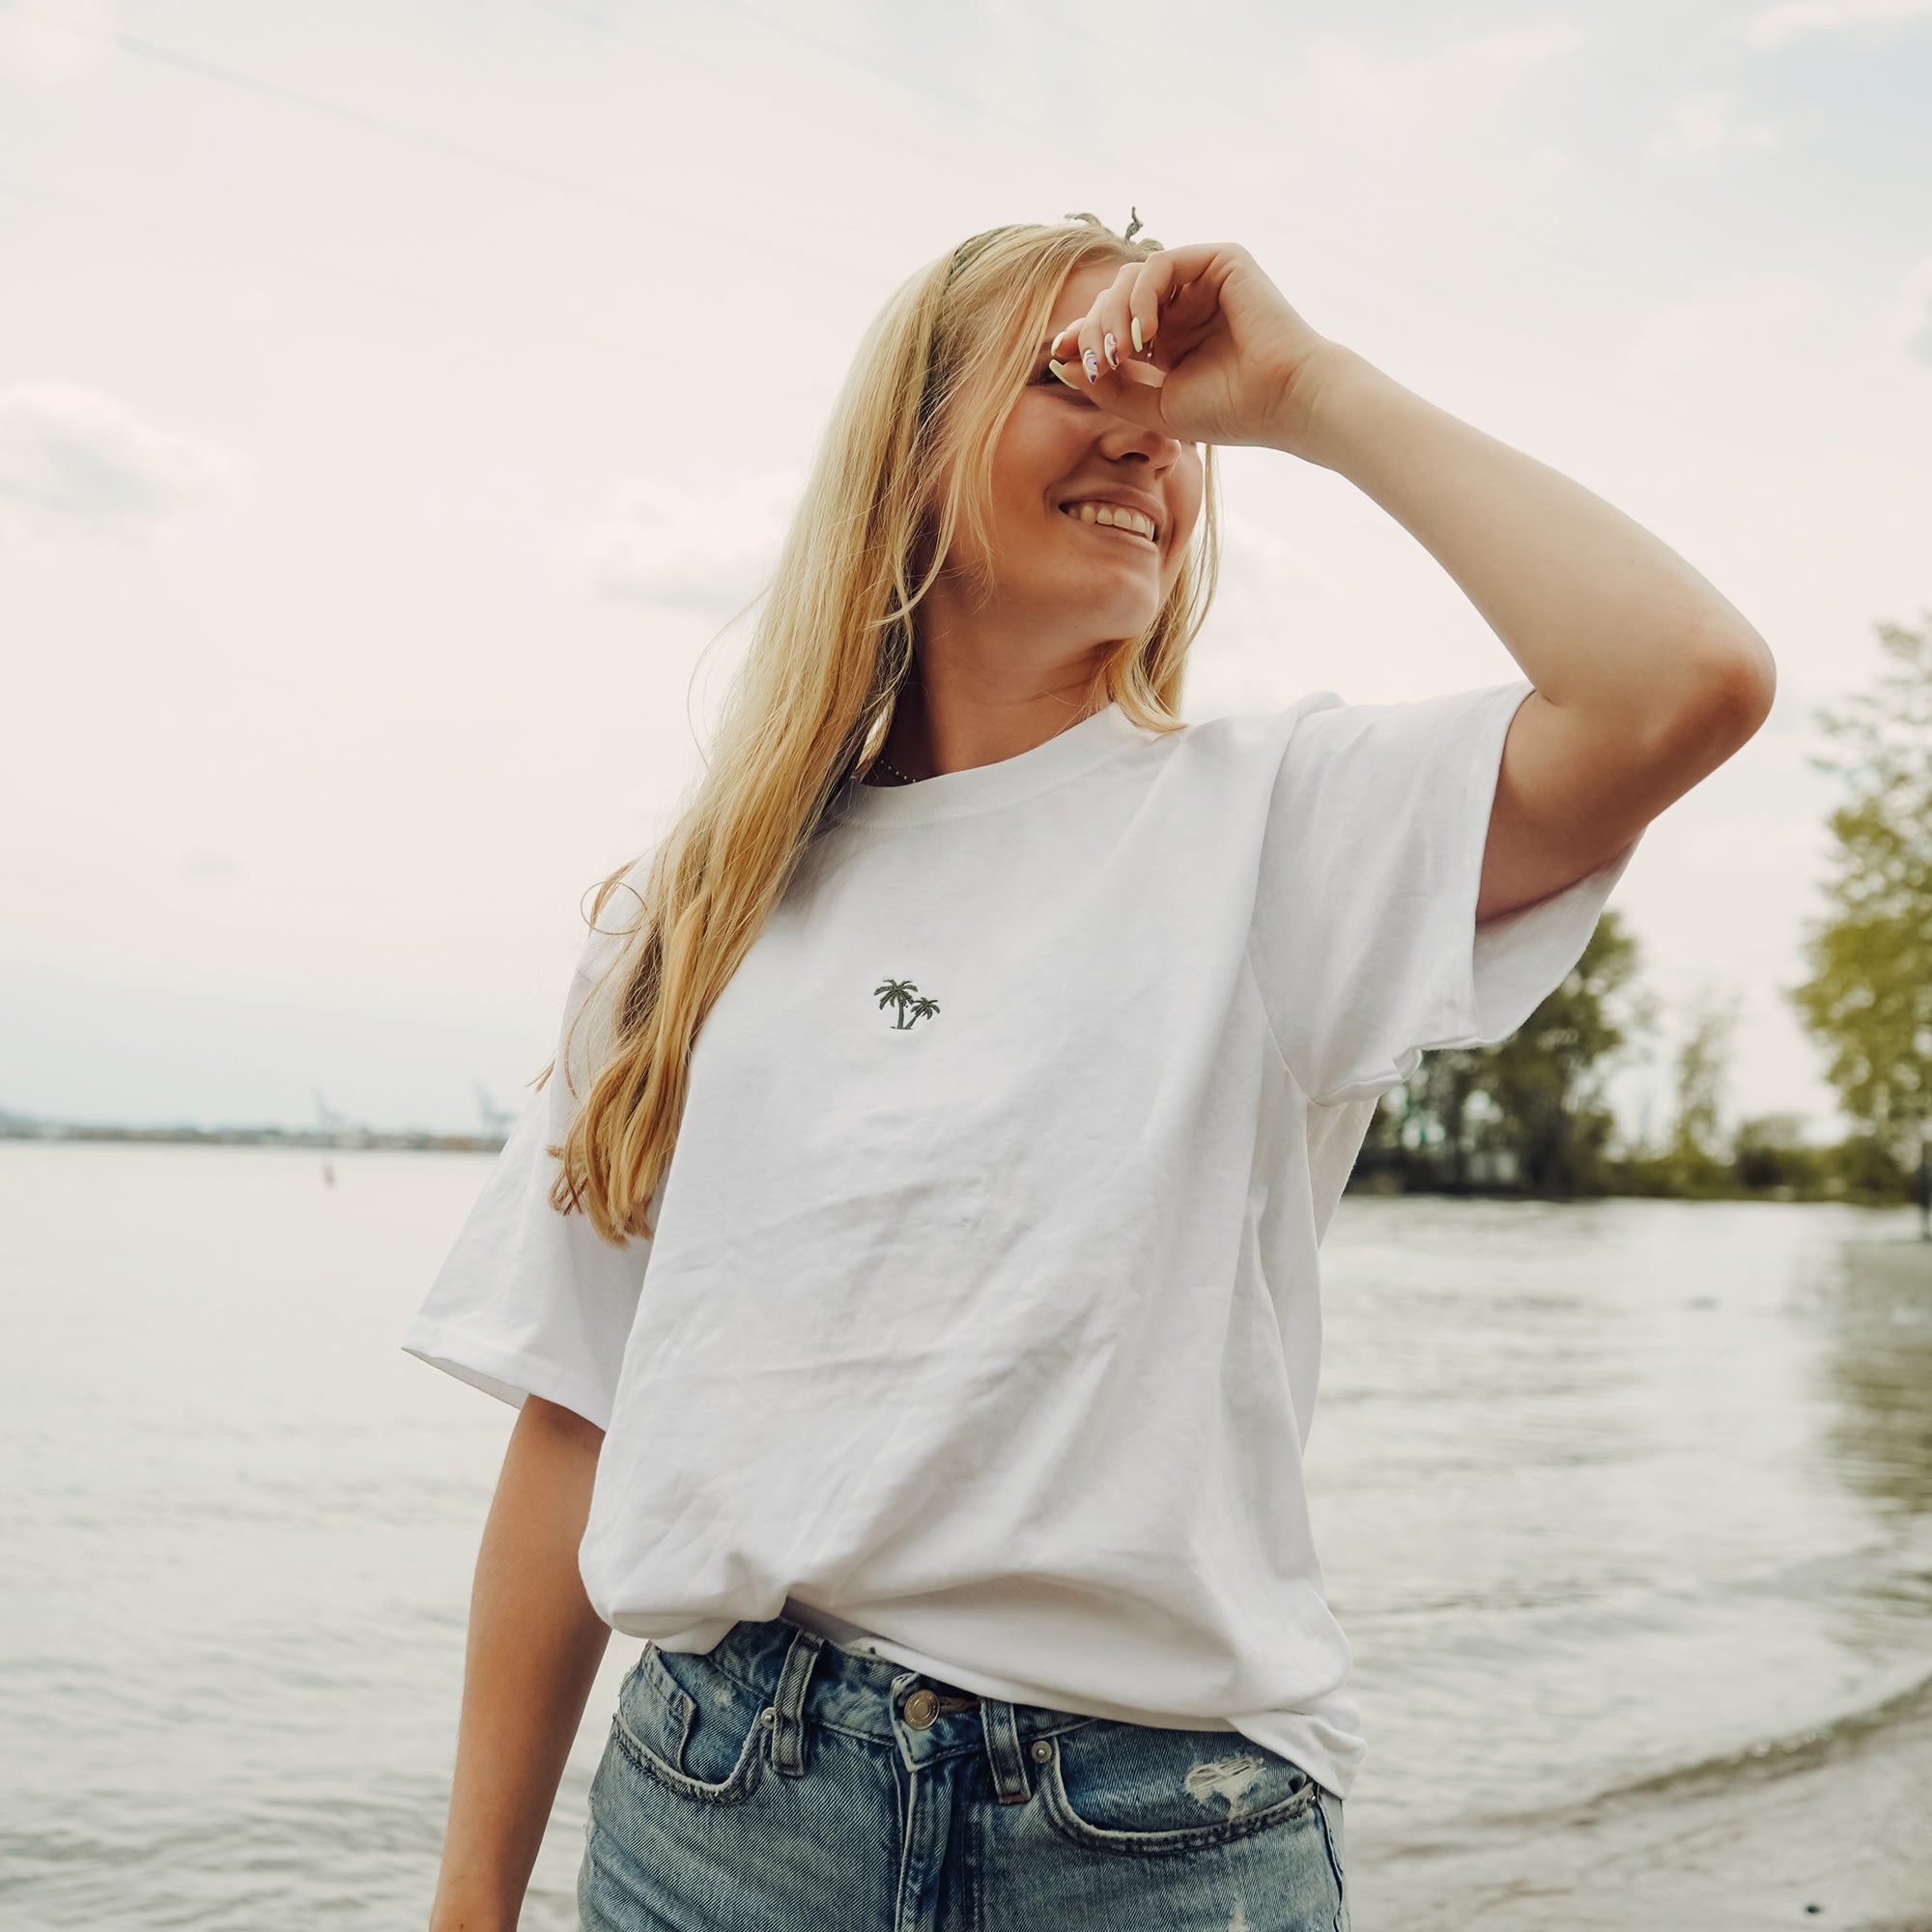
[{"x": 983, "y": 1311}]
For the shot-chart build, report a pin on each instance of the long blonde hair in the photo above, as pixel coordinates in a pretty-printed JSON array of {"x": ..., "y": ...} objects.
[{"x": 810, "y": 708}]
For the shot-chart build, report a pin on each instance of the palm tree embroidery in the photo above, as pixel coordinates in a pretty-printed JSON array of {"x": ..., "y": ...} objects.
[{"x": 911, "y": 1003}]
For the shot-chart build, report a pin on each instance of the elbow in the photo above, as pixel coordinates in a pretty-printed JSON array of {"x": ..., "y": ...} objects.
[{"x": 1735, "y": 686}]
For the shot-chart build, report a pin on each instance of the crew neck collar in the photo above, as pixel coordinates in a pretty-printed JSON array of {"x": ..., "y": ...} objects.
[{"x": 1005, "y": 781}]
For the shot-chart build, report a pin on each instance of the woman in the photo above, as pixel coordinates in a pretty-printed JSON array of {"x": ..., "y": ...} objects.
[{"x": 1015, "y": 1039}]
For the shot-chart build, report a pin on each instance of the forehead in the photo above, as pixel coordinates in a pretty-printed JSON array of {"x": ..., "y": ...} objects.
[{"x": 1085, "y": 283}]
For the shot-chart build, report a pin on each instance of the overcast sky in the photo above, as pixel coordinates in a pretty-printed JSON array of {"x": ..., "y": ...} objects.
[{"x": 397, "y": 400}]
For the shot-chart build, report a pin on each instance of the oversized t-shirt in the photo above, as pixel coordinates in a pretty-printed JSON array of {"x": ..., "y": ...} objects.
[{"x": 982, "y": 1308}]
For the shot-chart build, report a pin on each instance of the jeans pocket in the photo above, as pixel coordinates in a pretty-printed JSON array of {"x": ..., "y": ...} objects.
[
  {"x": 1137, "y": 1790},
  {"x": 693, "y": 1729}
]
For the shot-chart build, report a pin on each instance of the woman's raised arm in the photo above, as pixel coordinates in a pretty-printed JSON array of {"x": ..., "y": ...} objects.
[{"x": 1647, "y": 678}]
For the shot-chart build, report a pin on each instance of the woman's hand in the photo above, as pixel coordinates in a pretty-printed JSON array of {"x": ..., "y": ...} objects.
[{"x": 1221, "y": 357}]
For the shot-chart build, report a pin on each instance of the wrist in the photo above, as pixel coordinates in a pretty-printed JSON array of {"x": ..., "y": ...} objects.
[
  {"x": 472, "y": 1906},
  {"x": 1320, "y": 401}
]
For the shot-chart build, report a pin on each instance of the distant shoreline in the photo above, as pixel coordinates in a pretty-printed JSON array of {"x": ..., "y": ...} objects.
[
  {"x": 1365, "y": 1180},
  {"x": 338, "y": 1139}
]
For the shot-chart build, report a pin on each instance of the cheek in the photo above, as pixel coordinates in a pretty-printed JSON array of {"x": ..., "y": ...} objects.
[
  {"x": 1193, "y": 486},
  {"x": 1185, "y": 496},
  {"x": 1039, "y": 448}
]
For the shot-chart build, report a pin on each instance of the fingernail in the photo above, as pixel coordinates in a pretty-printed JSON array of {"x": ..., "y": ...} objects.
[
  {"x": 1139, "y": 345},
  {"x": 1060, "y": 370},
  {"x": 1111, "y": 345},
  {"x": 1053, "y": 347},
  {"x": 1091, "y": 364}
]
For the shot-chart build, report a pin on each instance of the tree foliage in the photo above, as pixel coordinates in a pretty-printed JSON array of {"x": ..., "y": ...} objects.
[
  {"x": 1542, "y": 1105},
  {"x": 1869, "y": 1001},
  {"x": 1703, "y": 1060}
]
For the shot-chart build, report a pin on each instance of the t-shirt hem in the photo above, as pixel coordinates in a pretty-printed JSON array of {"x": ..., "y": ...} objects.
[{"x": 507, "y": 1374}]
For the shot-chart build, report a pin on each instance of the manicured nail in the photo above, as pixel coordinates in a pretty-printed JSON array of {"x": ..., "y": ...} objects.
[
  {"x": 1139, "y": 345},
  {"x": 1053, "y": 347},
  {"x": 1112, "y": 346},
  {"x": 1091, "y": 364},
  {"x": 1060, "y": 370}
]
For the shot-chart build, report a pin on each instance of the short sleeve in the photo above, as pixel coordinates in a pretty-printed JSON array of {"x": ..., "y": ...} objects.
[
  {"x": 530, "y": 1301},
  {"x": 1365, "y": 943}
]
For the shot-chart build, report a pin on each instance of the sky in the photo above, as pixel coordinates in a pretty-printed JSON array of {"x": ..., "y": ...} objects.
[{"x": 401, "y": 404}]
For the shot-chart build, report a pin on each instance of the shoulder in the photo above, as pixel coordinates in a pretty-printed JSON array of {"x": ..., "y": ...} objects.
[{"x": 1245, "y": 737}]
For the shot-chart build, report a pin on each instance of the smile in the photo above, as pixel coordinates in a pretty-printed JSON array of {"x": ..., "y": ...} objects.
[{"x": 1113, "y": 517}]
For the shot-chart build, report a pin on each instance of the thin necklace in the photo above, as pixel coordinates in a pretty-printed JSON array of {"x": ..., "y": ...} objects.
[{"x": 885, "y": 764}]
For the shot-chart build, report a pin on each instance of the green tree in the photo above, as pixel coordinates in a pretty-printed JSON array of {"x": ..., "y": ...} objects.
[
  {"x": 1869, "y": 1001},
  {"x": 1697, "y": 1160},
  {"x": 1545, "y": 1113},
  {"x": 1703, "y": 1060}
]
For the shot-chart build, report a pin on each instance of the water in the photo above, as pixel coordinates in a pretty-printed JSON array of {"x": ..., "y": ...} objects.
[{"x": 1605, "y": 1492}]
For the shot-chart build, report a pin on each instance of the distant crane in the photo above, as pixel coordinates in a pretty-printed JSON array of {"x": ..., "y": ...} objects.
[
  {"x": 496, "y": 1121},
  {"x": 326, "y": 1119}
]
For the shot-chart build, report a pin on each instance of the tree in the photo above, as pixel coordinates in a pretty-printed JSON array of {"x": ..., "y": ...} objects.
[
  {"x": 1547, "y": 1117},
  {"x": 1869, "y": 1001},
  {"x": 1702, "y": 1063}
]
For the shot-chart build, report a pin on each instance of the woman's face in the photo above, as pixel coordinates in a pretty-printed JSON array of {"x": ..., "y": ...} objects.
[{"x": 1067, "y": 583}]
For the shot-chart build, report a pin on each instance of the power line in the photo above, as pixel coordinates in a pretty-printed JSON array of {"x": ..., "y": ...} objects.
[
  {"x": 158, "y": 55},
  {"x": 630, "y": 351},
  {"x": 880, "y": 71}
]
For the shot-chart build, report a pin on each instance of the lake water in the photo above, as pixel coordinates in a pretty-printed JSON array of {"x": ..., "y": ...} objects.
[{"x": 1605, "y": 1492}]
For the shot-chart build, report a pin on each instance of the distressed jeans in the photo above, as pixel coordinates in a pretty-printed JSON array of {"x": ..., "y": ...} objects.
[{"x": 782, "y": 1783}]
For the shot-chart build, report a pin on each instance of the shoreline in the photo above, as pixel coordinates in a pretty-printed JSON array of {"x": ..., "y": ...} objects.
[
  {"x": 1826, "y": 1829},
  {"x": 341, "y": 1139}
]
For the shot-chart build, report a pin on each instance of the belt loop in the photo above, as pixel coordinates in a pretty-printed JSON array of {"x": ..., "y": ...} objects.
[
  {"x": 1003, "y": 1747},
  {"x": 788, "y": 1710}
]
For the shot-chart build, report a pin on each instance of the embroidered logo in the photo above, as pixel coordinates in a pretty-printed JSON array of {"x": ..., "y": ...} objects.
[{"x": 911, "y": 1004}]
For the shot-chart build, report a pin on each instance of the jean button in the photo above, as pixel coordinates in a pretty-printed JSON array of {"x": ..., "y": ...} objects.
[{"x": 919, "y": 1709}]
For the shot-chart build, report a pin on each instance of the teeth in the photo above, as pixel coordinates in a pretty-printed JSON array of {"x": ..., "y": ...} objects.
[{"x": 1114, "y": 516}]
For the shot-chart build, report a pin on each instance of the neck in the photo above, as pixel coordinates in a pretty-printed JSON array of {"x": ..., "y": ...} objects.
[{"x": 973, "y": 701}]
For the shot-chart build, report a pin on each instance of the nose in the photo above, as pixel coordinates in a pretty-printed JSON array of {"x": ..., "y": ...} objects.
[{"x": 1122, "y": 439}]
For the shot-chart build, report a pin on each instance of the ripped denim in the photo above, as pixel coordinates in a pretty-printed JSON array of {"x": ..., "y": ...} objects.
[{"x": 782, "y": 1783}]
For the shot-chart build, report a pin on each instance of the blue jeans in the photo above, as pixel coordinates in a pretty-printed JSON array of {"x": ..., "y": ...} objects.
[{"x": 781, "y": 1783}]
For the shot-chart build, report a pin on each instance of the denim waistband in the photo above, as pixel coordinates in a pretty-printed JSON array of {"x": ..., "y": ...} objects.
[{"x": 809, "y": 1680}]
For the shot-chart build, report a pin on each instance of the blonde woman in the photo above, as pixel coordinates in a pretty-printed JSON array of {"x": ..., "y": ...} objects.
[{"x": 908, "y": 1274}]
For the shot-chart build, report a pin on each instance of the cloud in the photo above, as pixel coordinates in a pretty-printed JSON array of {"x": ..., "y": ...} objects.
[
  {"x": 1396, "y": 91},
  {"x": 660, "y": 543},
  {"x": 1685, "y": 335},
  {"x": 1273, "y": 596},
  {"x": 52, "y": 40},
  {"x": 210, "y": 865},
  {"x": 73, "y": 458},
  {"x": 1915, "y": 323},
  {"x": 1702, "y": 123},
  {"x": 1773, "y": 26}
]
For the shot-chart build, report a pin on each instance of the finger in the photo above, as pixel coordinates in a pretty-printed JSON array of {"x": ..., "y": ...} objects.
[
  {"x": 1102, "y": 333},
  {"x": 1112, "y": 317},
  {"x": 1132, "y": 392},
  {"x": 1153, "y": 286},
  {"x": 1066, "y": 346}
]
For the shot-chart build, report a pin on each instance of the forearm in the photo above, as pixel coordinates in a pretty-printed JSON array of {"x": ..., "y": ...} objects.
[
  {"x": 1604, "y": 617},
  {"x": 533, "y": 1650}
]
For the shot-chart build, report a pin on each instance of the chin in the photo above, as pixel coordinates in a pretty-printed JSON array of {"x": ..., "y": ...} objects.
[{"x": 1125, "y": 602}]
